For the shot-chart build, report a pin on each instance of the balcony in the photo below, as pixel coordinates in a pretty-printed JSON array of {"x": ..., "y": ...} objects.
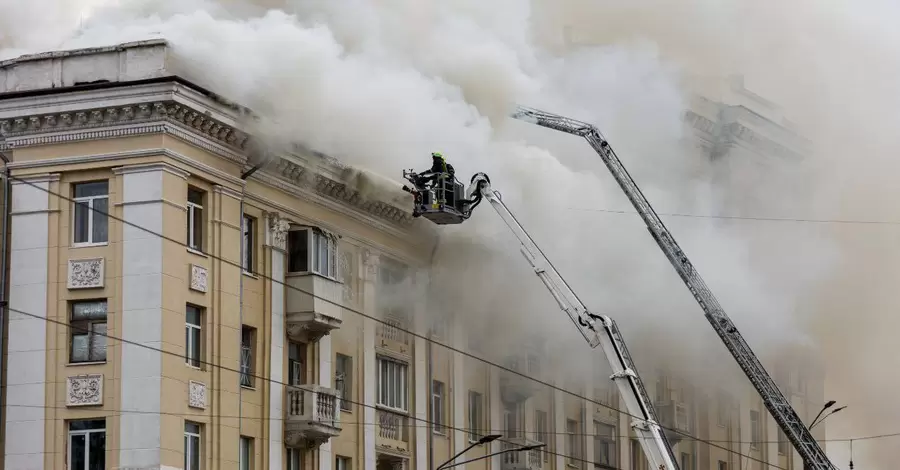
[
  {"x": 313, "y": 307},
  {"x": 391, "y": 334},
  {"x": 393, "y": 432},
  {"x": 515, "y": 388},
  {"x": 673, "y": 415},
  {"x": 312, "y": 416},
  {"x": 530, "y": 460}
]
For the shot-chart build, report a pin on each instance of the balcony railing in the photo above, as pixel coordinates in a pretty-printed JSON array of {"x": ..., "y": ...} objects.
[
  {"x": 527, "y": 460},
  {"x": 393, "y": 429},
  {"x": 312, "y": 415}
]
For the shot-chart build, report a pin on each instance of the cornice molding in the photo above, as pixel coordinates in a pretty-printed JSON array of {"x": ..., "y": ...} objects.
[
  {"x": 121, "y": 121},
  {"x": 314, "y": 177}
]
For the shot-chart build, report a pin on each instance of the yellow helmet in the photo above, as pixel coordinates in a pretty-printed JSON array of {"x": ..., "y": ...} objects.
[{"x": 437, "y": 155}]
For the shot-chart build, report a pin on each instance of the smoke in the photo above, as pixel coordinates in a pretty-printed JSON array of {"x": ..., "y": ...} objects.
[{"x": 380, "y": 85}]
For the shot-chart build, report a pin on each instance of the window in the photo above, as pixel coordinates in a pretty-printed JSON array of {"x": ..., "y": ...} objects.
[
  {"x": 191, "y": 446},
  {"x": 341, "y": 463},
  {"x": 638, "y": 459},
  {"x": 90, "y": 220},
  {"x": 722, "y": 410},
  {"x": 755, "y": 430},
  {"x": 437, "y": 407},
  {"x": 249, "y": 247},
  {"x": 296, "y": 352},
  {"x": 604, "y": 445},
  {"x": 685, "y": 461},
  {"x": 723, "y": 465},
  {"x": 246, "y": 453},
  {"x": 572, "y": 448},
  {"x": 88, "y": 329},
  {"x": 513, "y": 422},
  {"x": 192, "y": 336},
  {"x": 312, "y": 251},
  {"x": 343, "y": 379},
  {"x": 195, "y": 219},
  {"x": 392, "y": 384},
  {"x": 782, "y": 442},
  {"x": 248, "y": 335},
  {"x": 540, "y": 432},
  {"x": 87, "y": 444},
  {"x": 293, "y": 459},
  {"x": 476, "y": 415}
]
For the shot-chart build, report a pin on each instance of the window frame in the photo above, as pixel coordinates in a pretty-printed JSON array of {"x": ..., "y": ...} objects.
[
  {"x": 248, "y": 241},
  {"x": 87, "y": 327},
  {"x": 87, "y": 442},
  {"x": 343, "y": 379},
  {"x": 608, "y": 439},
  {"x": 399, "y": 376},
  {"x": 542, "y": 432},
  {"x": 438, "y": 407},
  {"x": 92, "y": 213},
  {"x": 573, "y": 453},
  {"x": 315, "y": 235},
  {"x": 340, "y": 459},
  {"x": 475, "y": 416},
  {"x": 248, "y": 349},
  {"x": 245, "y": 453},
  {"x": 188, "y": 437},
  {"x": 190, "y": 330},
  {"x": 192, "y": 209},
  {"x": 755, "y": 430},
  {"x": 293, "y": 454},
  {"x": 298, "y": 377}
]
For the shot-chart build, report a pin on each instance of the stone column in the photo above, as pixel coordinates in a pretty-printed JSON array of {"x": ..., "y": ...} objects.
[
  {"x": 26, "y": 394},
  {"x": 276, "y": 241}
]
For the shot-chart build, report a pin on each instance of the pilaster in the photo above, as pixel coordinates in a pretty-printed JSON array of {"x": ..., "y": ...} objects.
[
  {"x": 276, "y": 242},
  {"x": 141, "y": 442},
  {"x": 26, "y": 394},
  {"x": 368, "y": 275}
]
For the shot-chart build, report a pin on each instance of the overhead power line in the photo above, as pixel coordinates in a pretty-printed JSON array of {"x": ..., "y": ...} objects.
[{"x": 357, "y": 312}]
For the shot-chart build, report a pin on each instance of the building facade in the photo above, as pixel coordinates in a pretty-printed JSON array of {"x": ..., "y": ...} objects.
[{"x": 169, "y": 309}]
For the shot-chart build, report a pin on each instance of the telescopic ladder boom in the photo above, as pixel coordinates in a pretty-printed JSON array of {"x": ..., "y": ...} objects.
[
  {"x": 637, "y": 401},
  {"x": 778, "y": 405}
]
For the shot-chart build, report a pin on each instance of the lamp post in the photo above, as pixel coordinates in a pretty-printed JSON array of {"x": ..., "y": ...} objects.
[
  {"x": 483, "y": 440},
  {"x": 507, "y": 451}
]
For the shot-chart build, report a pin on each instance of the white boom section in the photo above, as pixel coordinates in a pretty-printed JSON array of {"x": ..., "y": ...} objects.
[
  {"x": 631, "y": 389},
  {"x": 790, "y": 423}
]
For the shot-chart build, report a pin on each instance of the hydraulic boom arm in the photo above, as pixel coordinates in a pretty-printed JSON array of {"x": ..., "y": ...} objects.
[
  {"x": 813, "y": 455},
  {"x": 637, "y": 401}
]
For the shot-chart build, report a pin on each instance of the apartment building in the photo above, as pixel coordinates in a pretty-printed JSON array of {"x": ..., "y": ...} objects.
[{"x": 249, "y": 317}]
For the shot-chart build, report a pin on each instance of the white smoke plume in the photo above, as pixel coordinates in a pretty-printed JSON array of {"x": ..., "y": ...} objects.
[{"x": 382, "y": 84}]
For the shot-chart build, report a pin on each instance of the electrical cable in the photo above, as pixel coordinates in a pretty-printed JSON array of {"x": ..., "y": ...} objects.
[
  {"x": 736, "y": 217},
  {"x": 466, "y": 430},
  {"x": 362, "y": 314}
]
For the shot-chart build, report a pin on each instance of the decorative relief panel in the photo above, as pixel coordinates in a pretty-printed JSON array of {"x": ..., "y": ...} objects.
[
  {"x": 278, "y": 229},
  {"x": 86, "y": 273},
  {"x": 346, "y": 272},
  {"x": 197, "y": 394},
  {"x": 198, "y": 278},
  {"x": 84, "y": 390}
]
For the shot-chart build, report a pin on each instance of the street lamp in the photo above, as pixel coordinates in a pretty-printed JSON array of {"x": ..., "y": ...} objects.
[
  {"x": 483, "y": 440},
  {"x": 507, "y": 451},
  {"x": 815, "y": 423},
  {"x": 827, "y": 405}
]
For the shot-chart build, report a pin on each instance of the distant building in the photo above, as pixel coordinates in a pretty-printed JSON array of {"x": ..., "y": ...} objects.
[{"x": 250, "y": 287}]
